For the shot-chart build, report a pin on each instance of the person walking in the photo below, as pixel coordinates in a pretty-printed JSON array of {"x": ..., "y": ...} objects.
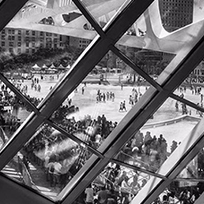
[{"x": 89, "y": 195}]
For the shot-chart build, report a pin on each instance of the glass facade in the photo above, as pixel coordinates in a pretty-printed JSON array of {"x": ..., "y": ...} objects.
[{"x": 101, "y": 101}]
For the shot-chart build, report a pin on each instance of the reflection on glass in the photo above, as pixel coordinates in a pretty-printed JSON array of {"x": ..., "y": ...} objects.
[
  {"x": 150, "y": 61},
  {"x": 143, "y": 43},
  {"x": 103, "y": 12},
  {"x": 157, "y": 51},
  {"x": 47, "y": 162},
  {"x": 158, "y": 138},
  {"x": 115, "y": 184}
]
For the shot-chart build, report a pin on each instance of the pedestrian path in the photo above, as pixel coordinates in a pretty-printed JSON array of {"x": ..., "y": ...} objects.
[{"x": 12, "y": 173}]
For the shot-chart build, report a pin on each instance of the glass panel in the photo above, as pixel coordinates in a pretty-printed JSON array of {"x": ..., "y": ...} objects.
[
  {"x": 37, "y": 55},
  {"x": 115, "y": 184},
  {"x": 102, "y": 11},
  {"x": 30, "y": 164},
  {"x": 35, "y": 70},
  {"x": 158, "y": 138},
  {"x": 99, "y": 102},
  {"x": 152, "y": 48},
  {"x": 47, "y": 162}
]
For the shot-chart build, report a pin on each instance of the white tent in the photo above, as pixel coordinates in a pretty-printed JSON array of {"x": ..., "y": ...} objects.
[
  {"x": 35, "y": 66},
  {"x": 44, "y": 66},
  {"x": 68, "y": 66},
  {"x": 60, "y": 66},
  {"x": 52, "y": 66}
]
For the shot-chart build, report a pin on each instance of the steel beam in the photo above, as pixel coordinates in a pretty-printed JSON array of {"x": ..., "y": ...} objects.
[{"x": 8, "y": 10}]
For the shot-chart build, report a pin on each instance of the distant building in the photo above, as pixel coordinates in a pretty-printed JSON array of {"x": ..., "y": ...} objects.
[
  {"x": 19, "y": 41},
  {"x": 176, "y": 13},
  {"x": 81, "y": 43}
]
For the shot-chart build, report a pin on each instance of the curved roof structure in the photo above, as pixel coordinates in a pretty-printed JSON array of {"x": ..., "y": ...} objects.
[{"x": 92, "y": 120}]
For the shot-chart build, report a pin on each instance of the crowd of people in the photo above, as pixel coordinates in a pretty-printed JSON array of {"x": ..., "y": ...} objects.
[
  {"x": 8, "y": 121},
  {"x": 143, "y": 150},
  {"x": 135, "y": 96},
  {"x": 148, "y": 151}
]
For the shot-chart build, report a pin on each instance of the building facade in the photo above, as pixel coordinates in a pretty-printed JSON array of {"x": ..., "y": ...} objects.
[
  {"x": 18, "y": 41},
  {"x": 176, "y": 13}
]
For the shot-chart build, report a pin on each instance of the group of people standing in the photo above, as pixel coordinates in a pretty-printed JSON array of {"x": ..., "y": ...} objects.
[{"x": 103, "y": 97}]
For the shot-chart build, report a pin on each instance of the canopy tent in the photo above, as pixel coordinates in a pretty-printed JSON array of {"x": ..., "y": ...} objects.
[
  {"x": 52, "y": 66},
  {"x": 35, "y": 66},
  {"x": 68, "y": 66},
  {"x": 44, "y": 66},
  {"x": 60, "y": 66}
]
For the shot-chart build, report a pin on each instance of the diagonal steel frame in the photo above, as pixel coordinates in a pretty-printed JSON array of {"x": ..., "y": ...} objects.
[{"x": 88, "y": 16}]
